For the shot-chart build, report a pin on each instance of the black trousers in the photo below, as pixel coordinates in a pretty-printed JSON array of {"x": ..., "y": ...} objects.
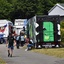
[
  {"x": 22, "y": 43},
  {"x": 17, "y": 44}
]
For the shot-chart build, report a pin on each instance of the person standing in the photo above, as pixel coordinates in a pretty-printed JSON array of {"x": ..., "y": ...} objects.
[
  {"x": 17, "y": 41},
  {"x": 21, "y": 39},
  {"x": 10, "y": 44}
]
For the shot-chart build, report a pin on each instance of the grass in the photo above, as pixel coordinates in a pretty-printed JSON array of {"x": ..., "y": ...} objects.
[
  {"x": 2, "y": 61},
  {"x": 57, "y": 52}
]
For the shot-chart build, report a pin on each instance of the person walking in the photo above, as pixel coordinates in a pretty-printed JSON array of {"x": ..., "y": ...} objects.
[{"x": 10, "y": 44}]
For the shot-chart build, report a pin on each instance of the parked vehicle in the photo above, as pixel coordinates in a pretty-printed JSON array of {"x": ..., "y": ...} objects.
[
  {"x": 5, "y": 29},
  {"x": 44, "y": 30},
  {"x": 19, "y": 25},
  {"x": 2, "y": 40}
]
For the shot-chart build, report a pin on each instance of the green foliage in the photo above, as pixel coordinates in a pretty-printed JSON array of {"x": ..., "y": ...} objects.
[
  {"x": 62, "y": 38},
  {"x": 62, "y": 32},
  {"x": 11, "y": 9},
  {"x": 62, "y": 35},
  {"x": 62, "y": 24}
]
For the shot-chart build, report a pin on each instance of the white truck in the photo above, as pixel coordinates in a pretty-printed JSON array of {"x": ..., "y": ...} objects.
[
  {"x": 19, "y": 24},
  {"x": 5, "y": 28}
]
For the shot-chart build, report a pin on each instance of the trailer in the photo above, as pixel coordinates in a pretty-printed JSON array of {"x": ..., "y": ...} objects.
[
  {"x": 44, "y": 30},
  {"x": 5, "y": 29},
  {"x": 19, "y": 25}
]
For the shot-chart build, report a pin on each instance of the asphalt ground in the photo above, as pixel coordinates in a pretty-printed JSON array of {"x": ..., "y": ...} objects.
[{"x": 20, "y": 56}]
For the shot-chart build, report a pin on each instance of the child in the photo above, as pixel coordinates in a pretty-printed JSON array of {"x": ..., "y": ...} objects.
[{"x": 29, "y": 45}]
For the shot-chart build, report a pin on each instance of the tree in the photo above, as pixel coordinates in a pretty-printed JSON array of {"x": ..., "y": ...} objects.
[{"x": 12, "y": 9}]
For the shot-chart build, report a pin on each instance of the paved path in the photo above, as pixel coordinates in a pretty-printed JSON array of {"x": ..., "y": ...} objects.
[{"x": 20, "y": 56}]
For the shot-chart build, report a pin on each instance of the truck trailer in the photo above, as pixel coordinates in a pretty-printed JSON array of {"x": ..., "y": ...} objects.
[
  {"x": 5, "y": 29},
  {"x": 19, "y": 24},
  {"x": 44, "y": 30}
]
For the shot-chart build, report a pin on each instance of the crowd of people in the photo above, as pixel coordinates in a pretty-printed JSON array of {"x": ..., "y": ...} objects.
[{"x": 18, "y": 40}]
